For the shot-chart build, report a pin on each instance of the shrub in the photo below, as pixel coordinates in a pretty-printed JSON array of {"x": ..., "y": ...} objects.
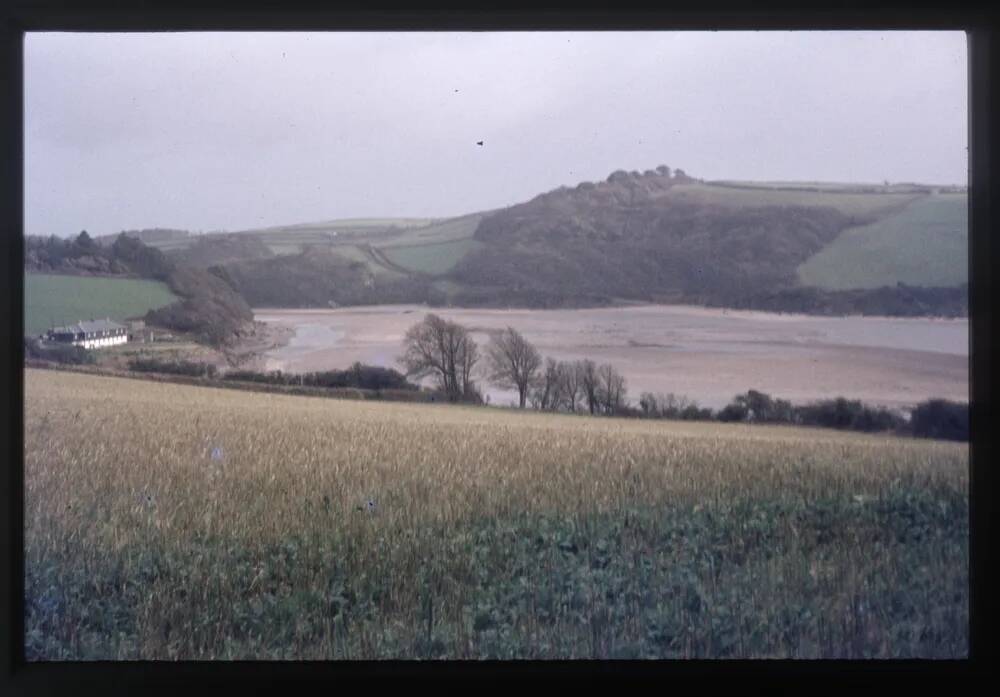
[
  {"x": 273, "y": 378},
  {"x": 837, "y": 413},
  {"x": 847, "y": 414},
  {"x": 670, "y": 406},
  {"x": 360, "y": 376},
  {"x": 472, "y": 395},
  {"x": 693, "y": 413},
  {"x": 57, "y": 352},
  {"x": 733, "y": 412},
  {"x": 628, "y": 412},
  {"x": 189, "y": 368},
  {"x": 761, "y": 407},
  {"x": 648, "y": 404},
  {"x": 365, "y": 377},
  {"x": 940, "y": 418}
]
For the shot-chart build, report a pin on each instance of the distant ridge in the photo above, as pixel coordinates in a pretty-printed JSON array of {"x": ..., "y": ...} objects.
[{"x": 659, "y": 235}]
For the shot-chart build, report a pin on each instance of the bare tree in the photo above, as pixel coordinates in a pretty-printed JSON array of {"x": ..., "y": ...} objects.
[
  {"x": 570, "y": 384},
  {"x": 545, "y": 393},
  {"x": 672, "y": 405},
  {"x": 468, "y": 356},
  {"x": 443, "y": 349},
  {"x": 589, "y": 382},
  {"x": 559, "y": 398},
  {"x": 513, "y": 362},
  {"x": 648, "y": 404},
  {"x": 610, "y": 388}
]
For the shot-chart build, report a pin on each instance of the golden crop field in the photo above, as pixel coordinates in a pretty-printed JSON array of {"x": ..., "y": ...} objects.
[{"x": 175, "y": 522}]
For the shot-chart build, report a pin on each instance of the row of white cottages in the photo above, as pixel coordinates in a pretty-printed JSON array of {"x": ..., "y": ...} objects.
[{"x": 93, "y": 334}]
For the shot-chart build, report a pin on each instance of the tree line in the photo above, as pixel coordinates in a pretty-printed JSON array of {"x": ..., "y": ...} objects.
[{"x": 445, "y": 351}]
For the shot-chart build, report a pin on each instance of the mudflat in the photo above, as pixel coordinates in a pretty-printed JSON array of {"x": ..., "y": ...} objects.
[{"x": 707, "y": 355}]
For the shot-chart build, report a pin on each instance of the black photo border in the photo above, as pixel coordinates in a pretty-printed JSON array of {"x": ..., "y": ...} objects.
[{"x": 769, "y": 677}]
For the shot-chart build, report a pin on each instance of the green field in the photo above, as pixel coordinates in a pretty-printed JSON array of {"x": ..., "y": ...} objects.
[
  {"x": 841, "y": 187},
  {"x": 294, "y": 241},
  {"x": 432, "y": 259},
  {"x": 855, "y": 204},
  {"x": 170, "y": 245},
  {"x": 443, "y": 231},
  {"x": 925, "y": 244},
  {"x": 285, "y": 249},
  {"x": 494, "y": 534},
  {"x": 58, "y": 300},
  {"x": 433, "y": 249},
  {"x": 826, "y": 186},
  {"x": 361, "y": 254},
  {"x": 415, "y": 244},
  {"x": 291, "y": 238},
  {"x": 353, "y": 224}
]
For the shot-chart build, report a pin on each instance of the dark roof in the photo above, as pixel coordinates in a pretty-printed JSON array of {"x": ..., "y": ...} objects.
[{"x": 85, "y": 327}]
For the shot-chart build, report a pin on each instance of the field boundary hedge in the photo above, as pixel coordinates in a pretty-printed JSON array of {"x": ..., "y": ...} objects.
[
  {"x": 390, "y": 395},
  {"x": 937, "y": 418}
]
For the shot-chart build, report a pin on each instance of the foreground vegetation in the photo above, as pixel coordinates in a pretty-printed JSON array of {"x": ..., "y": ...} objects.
[{"x": 176, "y": 522}]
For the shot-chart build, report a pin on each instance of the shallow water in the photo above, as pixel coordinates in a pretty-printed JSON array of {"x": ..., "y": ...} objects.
[{"x": 707, "y": 355}]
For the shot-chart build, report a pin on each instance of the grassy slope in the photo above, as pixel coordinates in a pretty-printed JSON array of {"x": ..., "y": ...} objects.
[
  {"x": 361, "y": 254},
  {"x": 417, "y": 245},
  {"x": 434, "y": 247},
  {"x": 852, "y": 204},
  {"x": 421, "y": 245},
  {"x": 744, "y": 243},
  {"x": 827, "y": 186},
  {"x": 926, "y": 244},
  {"x": 290, "y": 238},
  {"x": 495, "y": 534},
  {"x": 842, "y": 187},
  {"x": 437, "y": 259},
  {"x": 353, "y": 224},
  {"x": 64, "y": 299},
  {"x": 432, "y": 259},
  {"x": 449, "y": 230}
]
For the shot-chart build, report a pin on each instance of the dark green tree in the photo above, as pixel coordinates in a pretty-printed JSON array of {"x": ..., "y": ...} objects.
[{"x": 85, "y": 241}]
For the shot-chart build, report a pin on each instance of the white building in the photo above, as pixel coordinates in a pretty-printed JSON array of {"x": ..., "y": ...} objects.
[{"x": 92, "y": 334}]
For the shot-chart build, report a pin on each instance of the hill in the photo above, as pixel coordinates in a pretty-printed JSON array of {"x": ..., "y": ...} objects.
[
  {"x": 659, "y": 238},
  {"x": 340, "y": 262},
  {"x": 210, "y": 250},
  {"x": 656, "y": 236},
  {"x": 160, "y": 238},
  {"x": 317, "y": 277},
  {"x": 633, "y": 237},
  {"x": 390, "y": 247}
]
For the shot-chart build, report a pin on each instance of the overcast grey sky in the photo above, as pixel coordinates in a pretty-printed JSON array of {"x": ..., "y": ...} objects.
[{"x": 206, "y": 131}]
